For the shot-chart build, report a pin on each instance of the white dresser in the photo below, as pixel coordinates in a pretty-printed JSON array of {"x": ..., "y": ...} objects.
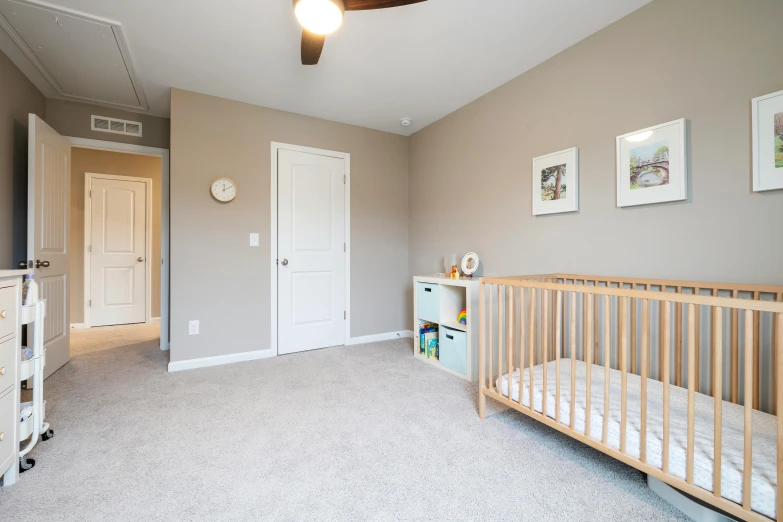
[{"x": 10, "y": 339}]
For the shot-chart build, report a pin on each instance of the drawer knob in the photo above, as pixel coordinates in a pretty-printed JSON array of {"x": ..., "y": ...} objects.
[
  {"x": 2, "y": 436},
  {"x": 2, "y": 370},
  {"x": 2, "y": 314}
]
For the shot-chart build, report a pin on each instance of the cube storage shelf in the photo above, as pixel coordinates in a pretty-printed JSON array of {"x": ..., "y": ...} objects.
[{"x": 439, "y": 300}]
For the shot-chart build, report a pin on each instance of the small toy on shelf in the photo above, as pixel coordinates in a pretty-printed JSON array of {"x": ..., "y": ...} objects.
[{"x": 462, "y": 318}]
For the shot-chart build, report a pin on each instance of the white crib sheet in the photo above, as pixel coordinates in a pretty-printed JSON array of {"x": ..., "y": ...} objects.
[{"x": 764, "y": 475}]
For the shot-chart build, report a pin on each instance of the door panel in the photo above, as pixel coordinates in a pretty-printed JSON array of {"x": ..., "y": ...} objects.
[
  {"x": 49, "y": 180},
  {"x": 311, "y": 237},
  {"x": 118, "y": 244}
]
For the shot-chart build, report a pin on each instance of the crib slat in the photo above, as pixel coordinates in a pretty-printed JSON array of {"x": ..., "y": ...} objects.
[
  {"x": 595, "y": 327},
  {"x": 717, "y": 387},
  {"x": 777, "y": 348},
  {"x": 500, "y": 340},
  {"x": 756, "y": 358},
  {"x": 558, "y": 340},
  {"x": 697, "y": 329},
  {"x": 624, "y": 368},
  {"x": 714, "y": 347},
  {"x": 691, "y": 390},
  {"x": 734, "y": 363},
  {"x": 747, "y": 464},
  {"x": 521, "y": 342},
  {"x": 634, "y": 306},
  {"x": 678, "y": 341},
  {"x": 607, "y": 361},
  {"x": 531, "y": 349},
  {"x": 491, "y": 350},
  {"x": 545, "y": 349},
  {"x": 661, "y": 334},
  {"x": 645, "y": 373},
  {"x": 667, "y": 345},
  {"x": 510, "y": 338},
  {"x": 588, "y": 357},
  {"x": 482, "y": 352},
  {"x": 775, "y": 333},
  {"x": 573, "y": 361}
]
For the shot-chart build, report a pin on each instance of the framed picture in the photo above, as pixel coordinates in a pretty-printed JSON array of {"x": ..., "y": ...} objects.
[
  {"x": 768, "y": 142},
  {"x": 556, "y": 182},
  {"x": 652, "y": 165}
]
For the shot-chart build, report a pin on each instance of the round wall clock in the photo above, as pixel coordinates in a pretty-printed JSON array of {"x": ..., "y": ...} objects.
[{"x": 224, "y": 190}]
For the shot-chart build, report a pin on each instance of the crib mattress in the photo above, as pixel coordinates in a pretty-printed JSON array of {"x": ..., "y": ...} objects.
[{"x": 764, "y": 474}]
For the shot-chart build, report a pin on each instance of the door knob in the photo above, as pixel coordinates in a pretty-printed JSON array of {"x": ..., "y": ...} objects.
[
  {"x": 39, "y": 263},
  {"x": 22, "y": 265},
  {"x": 284, "y": 262},
  {"x": 140, "y": 259}
]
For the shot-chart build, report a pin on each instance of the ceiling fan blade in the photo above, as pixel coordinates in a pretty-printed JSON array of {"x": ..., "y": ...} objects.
[
  {"x": 312, "y": 45},
  {"x": 365, "y": 5}
]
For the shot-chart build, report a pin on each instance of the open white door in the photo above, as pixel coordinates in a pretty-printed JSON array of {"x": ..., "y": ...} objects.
[
  {"x": 311, "y": 250},
  {"x": 48, "y": 204}
]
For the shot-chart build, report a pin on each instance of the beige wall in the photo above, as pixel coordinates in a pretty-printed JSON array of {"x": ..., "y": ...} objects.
[
  {"x": 470, "y": 173},
  {"x": 221, "y": 281},
  {"x": 75, "y": 119},
  {"x": 18, "y": 98},
  {"x": 118, "y": 164}
]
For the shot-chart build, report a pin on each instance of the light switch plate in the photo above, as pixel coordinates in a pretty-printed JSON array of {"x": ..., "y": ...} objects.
[
  {"x": 253, "y": 239},
  {"x": 193, "y": 328}
]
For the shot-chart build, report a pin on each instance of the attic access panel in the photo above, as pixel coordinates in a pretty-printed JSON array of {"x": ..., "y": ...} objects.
[{"x": 84, "y": 58}]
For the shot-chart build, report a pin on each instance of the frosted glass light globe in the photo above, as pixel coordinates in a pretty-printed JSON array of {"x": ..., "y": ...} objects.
[{"x": 319, "y": 16}]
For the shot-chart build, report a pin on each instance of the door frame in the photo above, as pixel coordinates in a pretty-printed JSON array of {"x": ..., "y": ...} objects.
[
  {"x": 163, "y": 154},
  {"x": 276, "y": 147},
  {"x": 88, "y": 177}
]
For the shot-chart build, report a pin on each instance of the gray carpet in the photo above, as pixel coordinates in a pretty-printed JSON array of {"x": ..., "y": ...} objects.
[{"x": 350, "y": 433}]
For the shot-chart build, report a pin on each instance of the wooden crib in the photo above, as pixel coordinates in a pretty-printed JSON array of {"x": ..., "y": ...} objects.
[{"x": 677, "y": 379}]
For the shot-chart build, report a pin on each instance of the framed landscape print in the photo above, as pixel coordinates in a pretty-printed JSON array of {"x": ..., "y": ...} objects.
[
  {"x": 768, "y": 142},
  {"x": 556, "y": 182},
  {"x": 652, "y": 165}
]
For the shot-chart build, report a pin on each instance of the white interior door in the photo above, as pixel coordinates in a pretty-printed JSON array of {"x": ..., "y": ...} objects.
[
  {"x": 311, "y": 251},
  {"x": 48, "y": 204},
  {"x": 117, "y": 248}
]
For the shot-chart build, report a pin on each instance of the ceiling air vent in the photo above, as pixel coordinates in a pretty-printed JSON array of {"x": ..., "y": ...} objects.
[{"x": 115, "y": 126}]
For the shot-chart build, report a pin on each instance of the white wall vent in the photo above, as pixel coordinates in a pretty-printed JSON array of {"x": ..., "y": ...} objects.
[{"x": 115, "y": 126}]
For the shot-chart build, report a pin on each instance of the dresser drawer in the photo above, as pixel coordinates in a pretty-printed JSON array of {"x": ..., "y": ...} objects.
[
  {"x": 7, "y": 311},
  {"x": 9, "y": 357},
  {"x": 8, "y": 420}
]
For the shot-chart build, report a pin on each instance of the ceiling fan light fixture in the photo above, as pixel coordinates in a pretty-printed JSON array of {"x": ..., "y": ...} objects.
[{"x": 319, "y": 16}]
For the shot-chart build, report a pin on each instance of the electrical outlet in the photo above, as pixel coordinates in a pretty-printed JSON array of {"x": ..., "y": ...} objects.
[
  {"x": 253, "y": 239},
  {"x": 193, "y": 328}
]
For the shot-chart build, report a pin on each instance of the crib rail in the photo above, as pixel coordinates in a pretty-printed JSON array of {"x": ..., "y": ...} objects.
[{"x": 645, "y": 328}]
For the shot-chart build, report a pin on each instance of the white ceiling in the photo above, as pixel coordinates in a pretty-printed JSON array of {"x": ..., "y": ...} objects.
[{"x": 421, "y": 61}]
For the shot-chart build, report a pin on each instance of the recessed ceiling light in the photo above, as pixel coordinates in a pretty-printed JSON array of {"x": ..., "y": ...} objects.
[{"x": 406, "y": 122}]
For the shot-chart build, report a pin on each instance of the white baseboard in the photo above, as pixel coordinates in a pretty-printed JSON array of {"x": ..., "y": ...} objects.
[
  {"x": 154, "y": 320},
  {"x": 219, "y": 360},
  {"x": 380, "y": 337},
  {"x": 78, "y": 326}
]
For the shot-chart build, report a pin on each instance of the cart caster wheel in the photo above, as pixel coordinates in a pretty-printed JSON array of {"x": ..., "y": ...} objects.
[
  {"x": 26, "y": 465},
  {"x": 48, "y": 434}
]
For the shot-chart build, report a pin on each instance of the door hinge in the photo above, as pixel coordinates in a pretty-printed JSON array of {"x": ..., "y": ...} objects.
[
  {"x": 345, "y": 314},
  {"x": 89, "y": 303},
  {"x": 89, "y": 248},
  {"x": 344, "y": 176},
  {"x": 91, "y": 193},
  {"x": 345, "y": 248}
]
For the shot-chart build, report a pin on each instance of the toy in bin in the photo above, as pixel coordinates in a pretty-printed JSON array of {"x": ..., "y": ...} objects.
[
  {"x": 462, "y": 318},
  {"x": 428, "y": 340}
]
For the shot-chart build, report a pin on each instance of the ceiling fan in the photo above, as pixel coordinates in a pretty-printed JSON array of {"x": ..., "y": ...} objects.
[{"x": 322, "y": 17}]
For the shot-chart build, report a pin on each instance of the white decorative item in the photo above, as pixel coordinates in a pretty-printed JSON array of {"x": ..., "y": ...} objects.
[
  {"x": 652, "y": 165},
  {"x": 223, "y": 190},
  {"x": 470, "y": 263},
  {"x": 556, "y": 182},
  {"x": 768, "y": 142}
]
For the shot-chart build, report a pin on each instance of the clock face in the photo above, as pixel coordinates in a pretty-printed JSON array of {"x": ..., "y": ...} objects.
[{"x": 224, "y": 190}]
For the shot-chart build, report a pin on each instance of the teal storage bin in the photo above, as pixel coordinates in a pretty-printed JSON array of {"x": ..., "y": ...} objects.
[
  {"x": 454, "y": 350},
  {"x": 427, "y": 301}
]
